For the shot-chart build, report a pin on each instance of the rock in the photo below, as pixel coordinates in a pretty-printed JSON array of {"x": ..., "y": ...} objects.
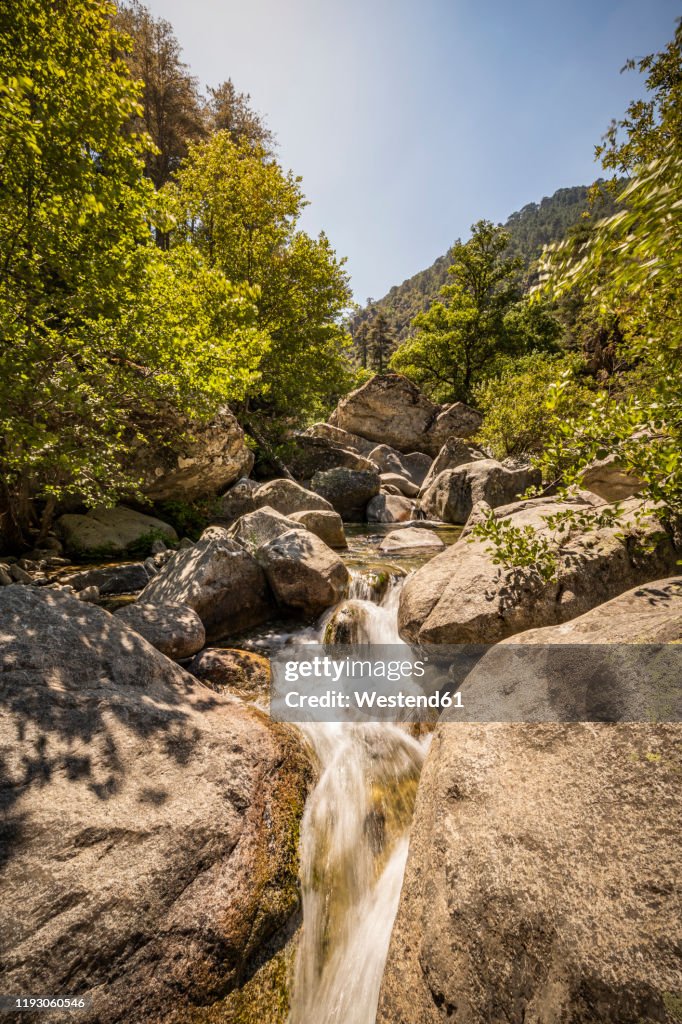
[
  {"x": 158, "y": 547},
  {"x": 462, "y": 596},
  {"x": 347, "y": 625},
  {"x": 112, "y": 532},
  {"x": 110, "y": 579},
  {"x": 542, "y": 877},
  {"x": 412, "y": 539},
  {"x": 227, "y": 669},
  {"x": 390, "y": 409},
  {"x": 286, "y": 496},
  {"x": 18, "y": 574},
  {"x": 328, "y": 526},
  {"x": 174, "y": 629},
  {"x": 221, "y": 581},
  {"x": 516, "y": 681},
  {"x": 454, "y": 492},
  {"x": 310, "y": 455},
  {"x": 186, "y": 542},
  {"x": 303, "y": 572},
  {"x": 607, "y": 478},
  {"x": 401, "y": 483},
  {"x": 257, "y": 528},
  {"x": 89, "y": 594},
  {"x": 389, "y": 508},
  {"x": 216, "y": 532},
  {"x": 455, "y": 452},
  {"x": 390, "y": 489},
  {"x": 150, "y": 567},
  {"x": 213, "y": 458},
  {"x": 151, "y": 824},
  {"x": 347, "y": 491},
  {"x": 238, "y": 500},
  {"x": 5, "y": 578},
  {"x": 342, "y": 438},
  {"x": 414, "y": 466}
]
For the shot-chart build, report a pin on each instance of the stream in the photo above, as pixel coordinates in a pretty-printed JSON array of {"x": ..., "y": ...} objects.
[{"x": 355, "y": 829}]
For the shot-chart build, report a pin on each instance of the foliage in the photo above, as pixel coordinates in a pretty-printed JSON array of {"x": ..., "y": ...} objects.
[
  {"x": 518, "y": 418},
  {"x": 239, "y": 209},
  {"x": 100, "y": 331},
  {"x": 458, "y": 340},
  {"x": 517, "y": 547}
]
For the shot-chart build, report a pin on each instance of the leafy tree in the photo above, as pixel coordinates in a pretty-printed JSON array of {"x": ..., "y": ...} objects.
[
  {"x": 458, "y": 340},
  {"x": 231, "y": 111},
  {"x": 235, "y": 204},
  {"x": 172, "y": 113},
  {"x": 99, "y": 331}
]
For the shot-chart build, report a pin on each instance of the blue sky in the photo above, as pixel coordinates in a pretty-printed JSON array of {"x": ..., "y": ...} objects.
[{"x": 410, "y": 120}]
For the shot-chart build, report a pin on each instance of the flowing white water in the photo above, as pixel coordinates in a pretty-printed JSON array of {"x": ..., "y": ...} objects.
[{"x": 354, "y": 845}]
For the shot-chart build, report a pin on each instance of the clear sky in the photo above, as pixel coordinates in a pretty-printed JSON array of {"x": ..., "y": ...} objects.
[{"x": 410, "y": 119}]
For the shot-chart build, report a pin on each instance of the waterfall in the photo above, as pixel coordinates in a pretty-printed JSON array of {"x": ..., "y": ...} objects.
[{"x": 354, "y": 837}]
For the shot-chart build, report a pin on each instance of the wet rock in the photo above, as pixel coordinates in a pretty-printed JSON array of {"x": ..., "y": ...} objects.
[
  {"x": 391, "y": 410},
  {"x": 346, "y": 625},
  {"x": 534, "y": 854},
  {"x": 287, "y": 496},
  {"x": 462, "y": 596},
  {"x": 389, "y": 508},
  {"x": 110, "y": 579},
  {"x": 213, "y": 457},
  {"x": 150, "y": 823},
  {"x": 112, "y": 532},
  {"x": 221, "y": 581},
  {"x": 411, "y": 539},
  {"x": 303, "y": 572},
  {"x": 174, "y": 629},
  {"x": 328, "y": 526},
  {"x": 454, "y": 492},
  {"x": 347, "y": 491},
  {"x": 455, "y": 452},
  {"x": 257, "y": 528},
  {"x": 229, "y": 669}
]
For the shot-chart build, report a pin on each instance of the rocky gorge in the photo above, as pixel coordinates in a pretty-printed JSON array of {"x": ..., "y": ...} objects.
[{"x": 194, "y": 861}]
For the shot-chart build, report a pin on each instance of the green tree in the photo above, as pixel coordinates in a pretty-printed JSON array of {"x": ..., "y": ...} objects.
[
  {"x": 457, "y": 341},
  {"x": 237, "y": 206},
  {"x": 99, "y": 330},
  {"x": 379, "y": 342},
  {"x": 231, "y": 111}
]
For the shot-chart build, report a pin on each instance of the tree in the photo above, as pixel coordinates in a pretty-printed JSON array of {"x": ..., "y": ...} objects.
[
  {"x": 231, "y": 111},
  {"x": 379, "y": 341},
  {"x": 457, "y": 340},
  {"x": 99, "y": 330},
  {"x": 172, "y": 112},
  {"x": 236, "y": 205}
]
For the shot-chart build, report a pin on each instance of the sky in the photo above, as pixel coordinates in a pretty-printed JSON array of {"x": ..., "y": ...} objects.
[{"x": 408, "y": 120}]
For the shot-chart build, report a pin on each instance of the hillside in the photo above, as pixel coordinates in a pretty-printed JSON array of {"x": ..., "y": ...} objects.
[{"x": 532, "y": 227}]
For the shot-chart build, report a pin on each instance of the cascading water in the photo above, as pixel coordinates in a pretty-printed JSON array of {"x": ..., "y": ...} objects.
[{"x": 354, "y": 840}]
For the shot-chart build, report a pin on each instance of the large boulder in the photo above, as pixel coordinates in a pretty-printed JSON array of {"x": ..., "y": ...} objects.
[
  {"x": 257, "y": 528},
  {"x": 454, "y": 492},
  {"x": 342, "y": 438},
  {"x": 112, "y": 533},
  {"x": 347, "y": 490},
  {"x": 150, "y": 825},
  {"x": 212, "y": 456},
  {"x": 174, "y": 629},
  {"x": 610, "y": 480},
  {"x": 237, "y": 501},
  {"x": 110, "y": 579},
  {"x": 328, "y": 526},
  {"x": 463, "y": 596},
  {"x": 414, "y": 466},
  {"x": 220, "y": 580},
  {"x": 400, "y": 483},
  {"x": 303, "y": 572},
  {"x": 389, "y": 508},
  {"x": 390, "y": 409},
  {"x": 543, "y": 874},
  {"x": 454, "y": 453},
  {"x": 310, "y": 455},
  {"x": 286, "y": 496}
]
